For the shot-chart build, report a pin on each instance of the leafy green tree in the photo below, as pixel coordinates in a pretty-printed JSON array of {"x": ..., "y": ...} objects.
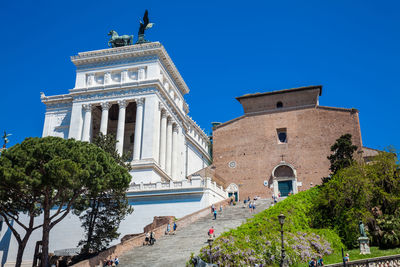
[
  {"x": 342, "y": 202},
  {"x": 107, "y": 207},
  {"x": 367, "y": 192},
  {"x": 44, "y": 173}
]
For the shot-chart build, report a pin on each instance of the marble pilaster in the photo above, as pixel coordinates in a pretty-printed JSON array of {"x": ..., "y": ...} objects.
[
  {"x": 87, "y": 122},
  {"x": 175, "y": 148},
  {"x": 163, "y": 139},
  {"x": 168, "y": 160},
  {"x": 138, "y": 129}
]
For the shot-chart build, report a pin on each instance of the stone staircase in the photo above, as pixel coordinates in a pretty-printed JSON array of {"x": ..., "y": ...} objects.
[{"x": 175, "y": 250}]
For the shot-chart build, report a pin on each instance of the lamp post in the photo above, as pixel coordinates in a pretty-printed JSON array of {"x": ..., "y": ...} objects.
[
  {"x": 210, "y": 243},
  {"x": 281, "y": 219}
]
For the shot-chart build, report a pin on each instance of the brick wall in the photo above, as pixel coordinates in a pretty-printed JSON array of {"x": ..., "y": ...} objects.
[{"x": 252, "y": 142}]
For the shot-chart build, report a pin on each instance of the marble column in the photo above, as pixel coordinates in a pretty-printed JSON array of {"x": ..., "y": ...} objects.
[
  {"x": 163, "y": 138},
  {"x": 87, "y": 122},
  {"x": 105, "y": 106},
  {"x": 138, "y": 129},
  {"x": 175, "y": 148},
  {"x": 169, "y": 148},
  {"x": 121, "y": 126}
]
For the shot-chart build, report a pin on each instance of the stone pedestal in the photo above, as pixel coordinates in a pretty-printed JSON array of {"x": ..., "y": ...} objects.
[
  {"x": 141, "y": 39},
  {"x": 364, "y": 245}
]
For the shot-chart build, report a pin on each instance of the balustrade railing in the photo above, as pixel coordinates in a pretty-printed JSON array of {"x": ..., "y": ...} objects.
[
  {"x": 386, "y": 261},
  {"x": 196, "y": 182}
]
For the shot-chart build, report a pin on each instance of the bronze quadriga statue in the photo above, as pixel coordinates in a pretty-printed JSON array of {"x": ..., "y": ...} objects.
[{"x": 118, "y": 41}]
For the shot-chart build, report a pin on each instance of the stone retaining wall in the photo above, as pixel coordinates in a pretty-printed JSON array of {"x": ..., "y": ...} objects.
[
  {"x": 387, "y": 261},
  {"x": 137, "y": 241}
]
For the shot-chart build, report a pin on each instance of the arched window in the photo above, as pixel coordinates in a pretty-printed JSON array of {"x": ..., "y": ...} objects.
[
  {"x": 279, "y": 104},
  {"x": 283, "y": 171}
]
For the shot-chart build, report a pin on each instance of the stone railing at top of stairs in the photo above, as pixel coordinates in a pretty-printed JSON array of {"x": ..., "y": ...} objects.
[
  {"x": 137, "y": 241},
  {"x": 195, "y": 182},
  {"x": 392, "y": 260}
]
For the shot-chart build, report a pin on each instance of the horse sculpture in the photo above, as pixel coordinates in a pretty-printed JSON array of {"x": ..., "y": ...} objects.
[{"x": 118, "y": 41}]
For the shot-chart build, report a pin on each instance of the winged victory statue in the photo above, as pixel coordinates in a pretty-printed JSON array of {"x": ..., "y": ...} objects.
[{"x": 144, "y": 25}]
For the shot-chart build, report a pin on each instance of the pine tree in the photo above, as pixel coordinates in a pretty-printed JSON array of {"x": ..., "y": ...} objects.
[{"x": 107, "y": 207}]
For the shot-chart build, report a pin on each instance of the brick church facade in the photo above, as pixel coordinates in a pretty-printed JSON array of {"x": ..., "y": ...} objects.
[{"x": 281, "y": 143}]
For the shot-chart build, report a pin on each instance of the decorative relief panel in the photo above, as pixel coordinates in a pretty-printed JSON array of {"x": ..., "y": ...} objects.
[
  {"x": 99, "y": 78},
  {"x": 107, "y": 77},
  {"x": 59, "y": 124},
  {"x": 116, "y": 77},
  {"x": 90, "y": 79},
  {"x": 61, "y": 120},
  {"x": 133, "y": 75},
  {"x": 123, "y": 76}
]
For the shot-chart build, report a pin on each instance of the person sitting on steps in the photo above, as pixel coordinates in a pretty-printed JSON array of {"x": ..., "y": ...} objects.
[
  {"x": 152, "y": 238},
  {"x": 146, "y": 239}
]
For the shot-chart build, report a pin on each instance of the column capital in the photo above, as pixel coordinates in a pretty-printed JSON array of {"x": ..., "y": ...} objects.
[
  {"x": 105, "y": 105},
  {"x": 175, "y": 128},
  {"x": 140, "y": 101},
  {"x": 163, "y": 113},
  {"x": 87, "y": 107},
  {"x": 122, "y": 103},
  {"x": 169, "y": 120}
]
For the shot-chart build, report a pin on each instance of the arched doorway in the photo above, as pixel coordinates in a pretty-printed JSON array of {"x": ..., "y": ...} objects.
[
  {"x": 233, "y": 190},
  {"x": 284, "y": 179}
]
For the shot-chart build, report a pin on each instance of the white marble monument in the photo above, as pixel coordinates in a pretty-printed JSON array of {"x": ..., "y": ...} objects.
[{"x": 136, "y": 93}]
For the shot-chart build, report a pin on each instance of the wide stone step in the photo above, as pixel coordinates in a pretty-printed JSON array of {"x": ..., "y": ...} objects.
[{"x": 175, "y": 250}]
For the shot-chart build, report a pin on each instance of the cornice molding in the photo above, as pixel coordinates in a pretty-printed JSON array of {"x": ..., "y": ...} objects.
[
  {"x": 200, "y": 148},
  {"x": 55, "y": 98}
]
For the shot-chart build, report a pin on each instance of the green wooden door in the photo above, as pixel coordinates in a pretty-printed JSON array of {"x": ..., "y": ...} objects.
[{"x": 285, "y": 187}]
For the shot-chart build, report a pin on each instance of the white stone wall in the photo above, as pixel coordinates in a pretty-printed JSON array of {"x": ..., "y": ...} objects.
[
  {"x": 146, "y": 175},
  {"x": 195, "y": 159}
]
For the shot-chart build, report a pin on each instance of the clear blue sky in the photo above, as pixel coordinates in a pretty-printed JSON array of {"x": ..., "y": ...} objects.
[{"x": 223, "y": 49}]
